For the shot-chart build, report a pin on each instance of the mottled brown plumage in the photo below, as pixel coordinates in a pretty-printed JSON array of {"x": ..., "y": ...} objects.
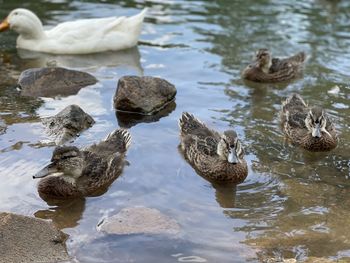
[
  {"x": 74, "y": 173},
  {"x": 215, "y": 156},
  {"x": 264, "y": 68},
  {"x": 310, "y": 128}
]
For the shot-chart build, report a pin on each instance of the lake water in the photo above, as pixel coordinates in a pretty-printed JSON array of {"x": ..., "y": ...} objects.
[{"x": 293, "y": 204}]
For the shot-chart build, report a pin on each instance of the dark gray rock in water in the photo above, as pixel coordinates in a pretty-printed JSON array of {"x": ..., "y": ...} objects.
[
  {"x": 127, "y": 119},
  {"x": 26, "y": 239},
  {"x": 67, "y": 124},
  {"x": 139, "y": 220},
  {"x": 143, "y": 95},
  {"x": 51, "y": 82}
]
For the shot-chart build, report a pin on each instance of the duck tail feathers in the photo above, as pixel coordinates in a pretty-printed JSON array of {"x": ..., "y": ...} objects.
[
  {"x": 293, "y": 101},
  {"x": 122, "y": 136},
  {"x": 188, "y": 123}
]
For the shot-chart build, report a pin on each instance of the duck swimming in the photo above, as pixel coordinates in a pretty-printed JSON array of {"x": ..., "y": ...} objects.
[
  {"x": 310, "y": 128},
  {"x": 215, "y": 156},
  {"x": 76, "y": 173},
  {"x": 264, "y": 68},
  {"x": 75, "y": 37}
]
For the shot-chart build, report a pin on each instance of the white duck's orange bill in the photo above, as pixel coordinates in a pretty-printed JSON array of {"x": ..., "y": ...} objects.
[{"x": 4, "y": 25}]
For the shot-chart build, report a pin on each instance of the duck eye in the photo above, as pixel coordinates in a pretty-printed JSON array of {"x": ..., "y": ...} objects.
[{"x": 15, "y": 13}]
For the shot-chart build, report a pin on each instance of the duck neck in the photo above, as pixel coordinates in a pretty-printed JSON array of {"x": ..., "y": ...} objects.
[{"x": 32, "y": 29}]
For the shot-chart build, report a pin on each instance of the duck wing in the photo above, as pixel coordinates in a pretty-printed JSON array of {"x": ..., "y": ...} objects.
[
  {"x": 207, "y": 146},
  {"x": 294, "y": 111},
  {"x": 291, "y": 62},
  {"x": 83, "y": 29}
]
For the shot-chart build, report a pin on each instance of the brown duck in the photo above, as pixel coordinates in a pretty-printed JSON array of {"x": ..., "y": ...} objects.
[
  {"x": 213, "y": 155},
  {"x": 74, "y": 173},
  {"x": 310, "y": 128},
  {"x": 264, "y": 68}
]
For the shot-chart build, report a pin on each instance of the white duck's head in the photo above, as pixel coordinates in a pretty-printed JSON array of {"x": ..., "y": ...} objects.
[{"x": 24, "y": 22}]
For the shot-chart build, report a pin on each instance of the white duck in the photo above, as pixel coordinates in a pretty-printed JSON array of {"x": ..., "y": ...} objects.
[{"x": 75, "y": 37}]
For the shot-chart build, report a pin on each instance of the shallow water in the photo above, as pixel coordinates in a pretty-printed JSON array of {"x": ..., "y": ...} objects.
[{"x": 293, "y": 204}]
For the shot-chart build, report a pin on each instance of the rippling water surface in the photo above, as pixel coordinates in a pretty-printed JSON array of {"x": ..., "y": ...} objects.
[{"x": 293, "y": 204}]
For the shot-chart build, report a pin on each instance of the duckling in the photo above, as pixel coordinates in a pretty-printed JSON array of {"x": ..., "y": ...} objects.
[
  {"x": 264, "y": 68},
  {"x": 310, "y": 128},
  {"x": 213, "y": 155},
  {"x": 75, "y": 173}
]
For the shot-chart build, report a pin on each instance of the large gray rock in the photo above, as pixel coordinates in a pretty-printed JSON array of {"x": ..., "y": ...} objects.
[
  {"x": 67, "y": 124},
  {"x": 26, "y": 239},
  {"x": 143, "y": 95},
  {"x": 51, "y": 82},
  {"x": 139, "y": 220}
]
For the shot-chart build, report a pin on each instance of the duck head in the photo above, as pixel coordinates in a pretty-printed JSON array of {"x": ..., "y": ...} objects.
[
  {"x": 263, "y": 59},
  {"x": 24, "y": 22},
  {"x": 66, "y": 162},
  {"x": 316, "y": 122},
  {"x": 229, "y": 148}
]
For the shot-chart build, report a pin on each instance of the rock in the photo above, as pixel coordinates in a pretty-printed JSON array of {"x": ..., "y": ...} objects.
[
  {"x": 26, "y": 239},
  {"x": 67, "y": 124},
  {"x": 127, "y": 120},
  {"x": 51, "y": 82},
  {"x": 143, "y": 95},
  {"x": 139, "y": 220}
]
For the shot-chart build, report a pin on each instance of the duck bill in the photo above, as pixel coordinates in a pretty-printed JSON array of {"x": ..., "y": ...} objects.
[
  {"x": 316, "y": 131},
  {"x": 4, "y": 25},
  {"x": 232, "y": 157},
  {"x": 47, "y": 170}
]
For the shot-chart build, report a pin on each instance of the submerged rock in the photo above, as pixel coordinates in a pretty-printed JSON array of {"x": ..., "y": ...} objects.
[
  {"x": 67, "y": 124},
  {"x": 26, "y": 239},
  {"x": 139, "y": 220},
  {"x": 143, "y": 95},
  {"x": 51, "y": 82}
]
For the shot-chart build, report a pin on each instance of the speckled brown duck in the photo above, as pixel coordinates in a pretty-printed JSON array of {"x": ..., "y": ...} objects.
[
  {"x": 213, "y": 155},
  {"x": 74, "y": 173},
  {"x": 264, "y": 68},
  {"x": 309, "y": 127}
]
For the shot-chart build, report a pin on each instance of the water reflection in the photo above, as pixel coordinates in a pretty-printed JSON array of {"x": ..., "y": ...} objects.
[
  {"x": 127, "y": 120},
  {"x": 129, "y": 58},
  {"x": 63, "y": 214}
]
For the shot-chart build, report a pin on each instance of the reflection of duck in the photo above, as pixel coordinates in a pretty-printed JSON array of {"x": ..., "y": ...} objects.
[
  {"x": 225, "y": 194},
  {"x": 65, "y": 214},
  {"x": 75, "y": 37},
  {"x": 218, "y": 157},
  {"x": 73, "y": 172},
  {"x": 124, "y": 58},
  {"x": 308, "y": 127},
  {"x": 267, "y": 69}
]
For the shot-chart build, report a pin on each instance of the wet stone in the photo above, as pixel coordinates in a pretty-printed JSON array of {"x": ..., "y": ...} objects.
[
  {"x": 143, "y": 95},
  {"x": 67, "y": 124},
  {"x": 26, "y": 239},
  {"x": 52, "y": 82},
  {"x": 139, "y": 220}
]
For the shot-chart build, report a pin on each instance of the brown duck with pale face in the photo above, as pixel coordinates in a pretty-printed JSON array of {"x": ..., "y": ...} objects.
[
  {"x": 75, "y": 173},
  {"x": 310, "y": 128},
  {"x": 213, "y": 155},
  {"x": 264, "y": 68}
]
